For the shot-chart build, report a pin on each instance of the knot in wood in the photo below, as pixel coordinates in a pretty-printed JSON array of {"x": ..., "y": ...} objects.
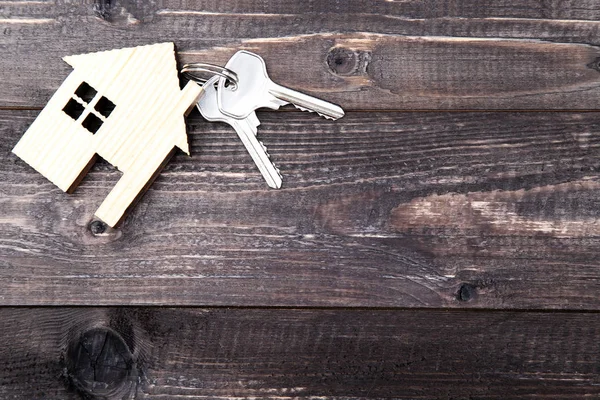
[
  {"x": 342, "y": 61},
  {"x": 103, "y": 9},
  {"x": 97, "y": 227},
  {"x": 100, "y": 364},
  {"x": 466, "y": 292},
  {"x": 595, "y": 64}
]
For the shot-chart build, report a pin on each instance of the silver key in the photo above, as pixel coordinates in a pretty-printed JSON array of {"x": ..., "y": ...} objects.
[
  {"x": 255, "y": 90},
  {"x": 246, "y": 129}
]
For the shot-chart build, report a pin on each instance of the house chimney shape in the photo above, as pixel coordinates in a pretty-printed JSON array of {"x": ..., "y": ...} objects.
[{"x": 124, "y": 105}]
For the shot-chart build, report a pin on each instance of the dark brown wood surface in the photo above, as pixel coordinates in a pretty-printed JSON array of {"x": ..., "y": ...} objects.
[
  {"x": 364, "y": 55},
  {"x": 154, "y": 353},
  {"x": 439, "y": 242},
  {"x": 377, "y": 210}
]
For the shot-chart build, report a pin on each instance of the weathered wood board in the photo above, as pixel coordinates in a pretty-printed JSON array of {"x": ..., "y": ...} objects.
[
  {"x": 158, "y": 353},
  {"x": 364, "y": 55},
  {"x": 412, "y": 253},
  {"x": 377, "y": 210}
]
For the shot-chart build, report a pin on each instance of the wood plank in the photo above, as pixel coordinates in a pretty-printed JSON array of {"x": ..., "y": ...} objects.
[
  {"x": 381, "y": 55},
  {"x": 485, "y": 210},
  {"x": 158, "y": 353}
]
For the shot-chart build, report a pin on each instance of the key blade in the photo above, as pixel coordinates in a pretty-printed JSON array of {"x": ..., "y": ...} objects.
[
  {"x": 256, "y": 90},
  {"x": 259, "y": 155},
  {"x": 278, "y": 102},
  {"x": 305, "y": 102}
]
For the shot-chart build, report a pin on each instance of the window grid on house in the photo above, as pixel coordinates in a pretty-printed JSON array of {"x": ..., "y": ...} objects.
[{"x": 89, "y": 108}]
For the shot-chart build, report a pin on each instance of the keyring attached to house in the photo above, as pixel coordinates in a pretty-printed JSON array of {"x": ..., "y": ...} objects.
[
  {"x": 191, "y": 71},
  {"x": 93, "y": 113}
]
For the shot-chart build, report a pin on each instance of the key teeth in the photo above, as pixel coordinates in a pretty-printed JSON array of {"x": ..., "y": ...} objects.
[
  {"x": 272, "y": 163},
  {"x": 268, "y": 155},
  {"x": 313, "y": 111},
  {"x": 302, "y": 108},
  {"x": 264, "y": 148},
  {"x": 326, "y": 116}
]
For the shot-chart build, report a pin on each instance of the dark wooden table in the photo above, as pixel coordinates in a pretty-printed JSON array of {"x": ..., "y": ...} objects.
[{"x": 442, "y": 241}]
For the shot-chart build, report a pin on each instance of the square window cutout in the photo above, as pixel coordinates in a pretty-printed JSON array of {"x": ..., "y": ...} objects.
[
  {"x": 92, "y": 123},
  {"x": 85, "y": 92},
  {"x": 104, "y": 106},
  {"x": 73, "y": 109}
]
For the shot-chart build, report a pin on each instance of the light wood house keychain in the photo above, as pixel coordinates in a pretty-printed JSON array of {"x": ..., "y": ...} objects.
[{"x": 124, "y": 105}]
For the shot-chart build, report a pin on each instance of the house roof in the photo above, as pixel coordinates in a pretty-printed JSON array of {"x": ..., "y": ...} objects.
[
  {"x": 127, "y": 75},
  {"x": 113, "y": 59}
]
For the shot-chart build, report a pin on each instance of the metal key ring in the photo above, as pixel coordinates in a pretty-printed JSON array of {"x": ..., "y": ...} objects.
[{"x": 189, "y": 71}]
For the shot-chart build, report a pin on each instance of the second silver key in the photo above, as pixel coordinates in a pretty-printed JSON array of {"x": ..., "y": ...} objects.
[
  {"x": 246, "y": 129},
  {"x": 255, "y": 90}
]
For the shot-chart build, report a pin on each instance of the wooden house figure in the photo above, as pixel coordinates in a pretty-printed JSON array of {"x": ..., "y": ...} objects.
[{"x": 124, "y": 105}]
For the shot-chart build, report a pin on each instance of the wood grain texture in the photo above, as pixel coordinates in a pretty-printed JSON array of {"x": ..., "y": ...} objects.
[
  {"x": 485, "y": 210},
  {"x": 363, "y": 55},
  {"x": 389, "y": 222},
  {"x": 291, "y": 353}
]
